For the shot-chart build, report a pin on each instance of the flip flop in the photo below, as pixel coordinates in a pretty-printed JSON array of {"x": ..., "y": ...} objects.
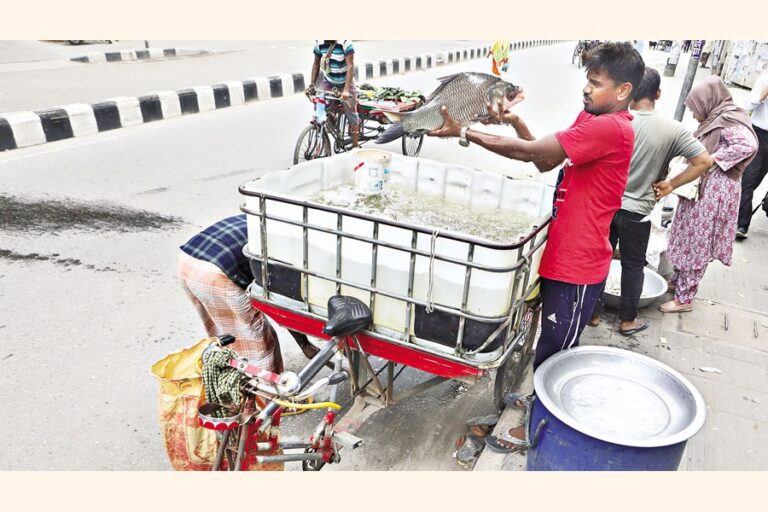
[
  {"x": 630, "y": 332},
  {"x": 493, "y": 443},
  {"x": 683, "y": 308},
  {"x": 478, "y": 421},
  {"x": 520, "y": 401}
]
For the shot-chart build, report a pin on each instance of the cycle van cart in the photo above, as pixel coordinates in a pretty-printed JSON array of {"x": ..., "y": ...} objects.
[
  {"x": 328, "y": 130},
  {"x": 447, "y": 303}
]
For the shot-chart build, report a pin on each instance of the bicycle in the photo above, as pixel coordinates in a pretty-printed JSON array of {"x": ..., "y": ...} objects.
[
  {"x": 330, "y": 121},
  {"x": 288, "y": 391}
]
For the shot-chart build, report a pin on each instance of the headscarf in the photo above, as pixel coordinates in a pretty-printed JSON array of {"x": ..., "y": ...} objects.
[{"x": 711, "y": 100}]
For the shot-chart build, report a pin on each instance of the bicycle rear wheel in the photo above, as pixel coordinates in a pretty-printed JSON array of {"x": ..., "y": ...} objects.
[
  {"x": 509, "y": 376},
  {"x": 313, "y": 143},
  {"x": 412, "y": 144}
]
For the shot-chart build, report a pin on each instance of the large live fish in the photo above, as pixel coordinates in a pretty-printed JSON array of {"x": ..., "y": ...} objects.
[{"x": 467, "y": 96}]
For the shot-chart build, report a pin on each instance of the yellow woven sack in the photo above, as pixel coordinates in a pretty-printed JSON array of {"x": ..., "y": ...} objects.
[{"x": 189, "y": 446}]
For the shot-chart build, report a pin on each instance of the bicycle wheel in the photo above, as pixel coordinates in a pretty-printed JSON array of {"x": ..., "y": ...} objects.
[
  {"x": 412, "y": 144},
  {"x": 510, "y": 374},
  {"x": 342, "y": 141},
  {"x": 312, "y": 144}
]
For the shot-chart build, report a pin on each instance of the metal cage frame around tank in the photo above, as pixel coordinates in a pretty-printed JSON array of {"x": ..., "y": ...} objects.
[{"x": 526, "y": 246}]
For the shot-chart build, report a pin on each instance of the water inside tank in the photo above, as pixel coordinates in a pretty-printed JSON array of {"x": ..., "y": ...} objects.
[{"x": 405, "y": 205}]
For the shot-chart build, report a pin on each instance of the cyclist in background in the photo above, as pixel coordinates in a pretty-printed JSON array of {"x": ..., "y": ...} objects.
[{"x": 336, "y": 60}]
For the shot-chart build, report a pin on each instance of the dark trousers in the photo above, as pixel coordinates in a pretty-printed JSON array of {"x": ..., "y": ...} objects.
[
  {"x": 632, "y": 237},
  {"x": 753, "y": 176},
  {"x": 565, "y": 310}
]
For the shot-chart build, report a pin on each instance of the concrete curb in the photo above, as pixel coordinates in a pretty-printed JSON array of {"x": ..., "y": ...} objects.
[
  {"x": 134, "y": 55},
  {"x": 29, "y": 128}
]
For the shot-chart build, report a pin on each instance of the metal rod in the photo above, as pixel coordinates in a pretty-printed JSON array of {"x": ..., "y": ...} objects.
[
  {"x": 292, "y": 457},
  {"x": 411, "y": 277},
  {"x": 243, "y": 431},
  {"x": 421, "y": 387},
  {"x": 447, "y": 235},
  {"x": 220, "y": 451},
  {"x": 513, "y": 294},
  {"x": 288, "y": 445},
  {"x": 390, "y": 382},
  {"x": 264, "y": 253},
  {"x": 352, "y": 370},
  {"x": 465, "y": 299},
  {"x": 305, "y": 250},
  {"x": 338, "y": 252},
  {"x": 374, "y": 375},
  {"x": 317, "y": 363},
  {"x": 374, "y": 264}
]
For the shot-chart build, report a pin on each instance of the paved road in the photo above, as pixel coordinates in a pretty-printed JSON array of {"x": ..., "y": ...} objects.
[
  {"x": 89, "y": 295},
  {"x": 46, "y": 78}
]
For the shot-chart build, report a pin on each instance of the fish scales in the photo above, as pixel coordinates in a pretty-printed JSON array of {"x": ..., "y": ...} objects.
[{"x": 466, "y": 95}]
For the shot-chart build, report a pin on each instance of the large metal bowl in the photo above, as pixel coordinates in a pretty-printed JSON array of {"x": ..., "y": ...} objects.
[
  {"x": 654, "y": 286},
  {"x": 619, "y": 397}
]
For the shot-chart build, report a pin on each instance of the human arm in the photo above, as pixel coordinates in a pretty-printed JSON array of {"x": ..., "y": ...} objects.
[
  {"x": 697, "y": 166},
  {"x": 537, "y": 150},
  {"x": 315, "y": 72},
  {"x": 758, "y": 94},
  {"x": 350, "y": 60},
  {"x": 508, "y": 117}
]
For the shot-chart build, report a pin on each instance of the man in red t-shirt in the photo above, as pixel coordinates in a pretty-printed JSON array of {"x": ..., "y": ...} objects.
[{"x": 596, "y": 149}]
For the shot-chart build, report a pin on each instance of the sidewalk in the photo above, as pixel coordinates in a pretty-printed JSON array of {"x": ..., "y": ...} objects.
[{"x": 727, "y": 330}]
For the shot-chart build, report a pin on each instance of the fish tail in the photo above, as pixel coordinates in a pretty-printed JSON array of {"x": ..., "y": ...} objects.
[
  {"x": 394, "y": 117},
  {"x": 394, "y": 132}
]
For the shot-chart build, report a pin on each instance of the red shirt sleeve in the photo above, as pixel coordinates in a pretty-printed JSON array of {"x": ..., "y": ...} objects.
[{"x": 592, "y": 138}]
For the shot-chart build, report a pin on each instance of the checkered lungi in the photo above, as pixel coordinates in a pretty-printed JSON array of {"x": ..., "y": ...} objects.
[{"x": 225, "y": 308}]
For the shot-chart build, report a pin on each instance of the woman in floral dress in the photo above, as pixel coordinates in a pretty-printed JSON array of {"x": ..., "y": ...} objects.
[{"x": 704, "y": 229}]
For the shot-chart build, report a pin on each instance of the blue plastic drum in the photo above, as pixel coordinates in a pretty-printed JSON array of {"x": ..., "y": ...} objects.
[{"x": 603, "y": 408}]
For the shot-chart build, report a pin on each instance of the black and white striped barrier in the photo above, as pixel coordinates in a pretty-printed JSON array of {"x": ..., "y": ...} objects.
[
  {"x": 148, "y": 54},
  {"x": 29, "y": 128}
]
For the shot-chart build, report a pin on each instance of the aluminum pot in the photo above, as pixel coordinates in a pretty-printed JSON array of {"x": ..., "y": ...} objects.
[
  {"x": 603, "y": 408},
  {"x": 654, "y": 286}
]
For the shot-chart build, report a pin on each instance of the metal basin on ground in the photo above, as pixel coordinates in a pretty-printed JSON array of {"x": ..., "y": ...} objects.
[
  {"x": 605, "y": 408},
  {"x": 654, "y": 286}
]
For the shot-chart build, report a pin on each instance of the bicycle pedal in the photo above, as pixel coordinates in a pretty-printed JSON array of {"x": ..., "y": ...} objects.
[{"x": 347, "y": 440}]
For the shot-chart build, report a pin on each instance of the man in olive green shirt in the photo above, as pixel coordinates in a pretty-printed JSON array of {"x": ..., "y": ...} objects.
[{"x": 658, "y": 140}]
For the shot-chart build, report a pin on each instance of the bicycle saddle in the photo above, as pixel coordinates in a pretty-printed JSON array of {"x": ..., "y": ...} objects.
[{"x": 346, "y": 315}]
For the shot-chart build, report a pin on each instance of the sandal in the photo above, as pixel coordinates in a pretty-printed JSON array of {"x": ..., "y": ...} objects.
[
  {"x": 642, "y": 325},
  {"x": 487, "y": 421},
  {"x": 520, "y": 401},
  {"x": 493, "y": 443},
  {"x": 674, "y": 307}
]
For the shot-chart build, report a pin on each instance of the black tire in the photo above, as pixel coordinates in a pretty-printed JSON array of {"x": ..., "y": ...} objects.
[
  {"x": 412, "y": 145},
  {"x": 343, "y": 142},
  {"x": 510, "y": 374},
  {"x": 309, "y": 145}
]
